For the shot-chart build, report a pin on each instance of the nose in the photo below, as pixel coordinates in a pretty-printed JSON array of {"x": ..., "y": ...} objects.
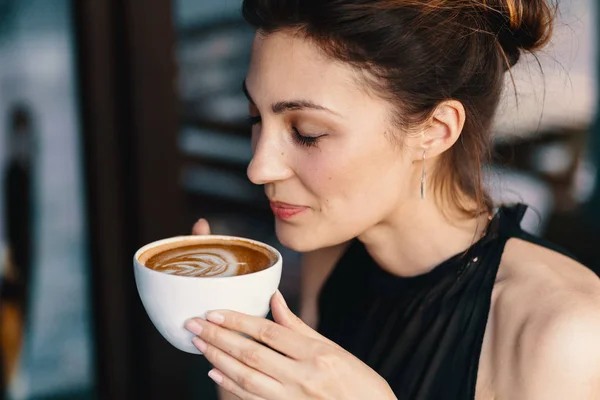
[{"x": 269, "y": 163}]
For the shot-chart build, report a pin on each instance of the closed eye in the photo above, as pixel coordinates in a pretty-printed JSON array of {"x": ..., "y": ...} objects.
[{"x": 307, "y": 141}]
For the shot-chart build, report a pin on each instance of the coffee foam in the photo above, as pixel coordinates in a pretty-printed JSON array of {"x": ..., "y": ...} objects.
[
  {"x": 213, "y": 262},
  {"x": 204, "y": 258}
]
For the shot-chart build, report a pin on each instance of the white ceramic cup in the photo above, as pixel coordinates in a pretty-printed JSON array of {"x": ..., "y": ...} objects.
[{"x": 170, "y": 300}]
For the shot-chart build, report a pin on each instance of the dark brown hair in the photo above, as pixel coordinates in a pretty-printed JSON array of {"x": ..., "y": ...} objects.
[{"x": 419, "y": 53}]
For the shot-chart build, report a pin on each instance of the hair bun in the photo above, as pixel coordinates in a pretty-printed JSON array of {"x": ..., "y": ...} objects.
[{"x": 521, "y": 25}]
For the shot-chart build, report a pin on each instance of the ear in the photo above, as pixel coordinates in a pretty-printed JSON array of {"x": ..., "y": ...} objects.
[{"x": 446, "y": 125}]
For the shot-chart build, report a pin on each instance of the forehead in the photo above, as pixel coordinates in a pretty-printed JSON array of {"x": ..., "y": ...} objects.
[{"x": 285, "y": 66}]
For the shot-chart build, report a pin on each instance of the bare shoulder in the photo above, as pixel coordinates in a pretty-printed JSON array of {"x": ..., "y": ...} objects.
[
  {"x": 541, "y": 281},
  {"x": 547, "y": 311},
  {"x": 545, "y": 281}
]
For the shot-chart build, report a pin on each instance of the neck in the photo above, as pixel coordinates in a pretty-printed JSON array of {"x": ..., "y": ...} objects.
[{"x": 418, "y": 236}]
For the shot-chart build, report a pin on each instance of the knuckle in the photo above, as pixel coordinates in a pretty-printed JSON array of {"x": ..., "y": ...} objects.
[
  {"x": 268, "y": 333},
  {"x": 210, "y": 333},
  {"x": 233, "y": 320},
  {"x": 213, "y": 355},
  {"x": 325, "y": 364},
  {"x": 326, "y": 361},
  {"x": 250, "y": 357},
  {"x": 247, "y": 382},
  {"x": 312, "y": 389},
  {"x": 210, "y": 354}
]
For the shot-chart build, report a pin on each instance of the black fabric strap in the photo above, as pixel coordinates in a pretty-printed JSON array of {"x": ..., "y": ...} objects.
[{"x": 511, "y": 228}]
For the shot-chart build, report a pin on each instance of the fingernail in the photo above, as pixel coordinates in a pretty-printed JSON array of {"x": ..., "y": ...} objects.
[
  {"x": 200, "y": 344},
  {"x": 193, "y": 327},
  {"x": 281, "y": 299},
  {"x": 215, "y": 376},
  {"x": 215, "y": 317}
]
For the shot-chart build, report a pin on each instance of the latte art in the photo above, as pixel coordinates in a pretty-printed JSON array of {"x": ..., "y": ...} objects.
[
  {"x": 210, "y": 259},
  {"x": 211, "y": 262}
]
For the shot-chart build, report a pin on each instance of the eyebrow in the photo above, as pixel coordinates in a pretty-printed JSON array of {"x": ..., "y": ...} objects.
[{"x": 294, "y": 105}]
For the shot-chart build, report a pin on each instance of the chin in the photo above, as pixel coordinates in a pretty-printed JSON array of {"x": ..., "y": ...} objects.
[{"x": 296, "y": 238}]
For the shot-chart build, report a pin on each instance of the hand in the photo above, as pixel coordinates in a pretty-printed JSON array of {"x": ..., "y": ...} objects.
[{"x": 288, "y": 360}]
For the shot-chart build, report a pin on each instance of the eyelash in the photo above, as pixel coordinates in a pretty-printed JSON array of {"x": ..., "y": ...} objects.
[
  {"x": 306, "y": 141},
  {"x": 253, "y": 120}
]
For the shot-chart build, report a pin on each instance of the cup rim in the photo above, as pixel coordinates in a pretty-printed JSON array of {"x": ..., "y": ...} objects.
[{"x": 182, "y": 238}]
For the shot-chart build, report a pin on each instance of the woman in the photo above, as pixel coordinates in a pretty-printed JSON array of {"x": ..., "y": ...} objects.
[{"x": 371, "y": 120}]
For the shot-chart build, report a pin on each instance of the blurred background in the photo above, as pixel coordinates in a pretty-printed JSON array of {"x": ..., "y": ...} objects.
[{"x": 122, "y": 122}]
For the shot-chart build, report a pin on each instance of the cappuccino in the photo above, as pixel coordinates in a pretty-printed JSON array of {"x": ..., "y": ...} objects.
[
  {"x": 184, "y": 277},
  {"x": 218, "y": 258}
]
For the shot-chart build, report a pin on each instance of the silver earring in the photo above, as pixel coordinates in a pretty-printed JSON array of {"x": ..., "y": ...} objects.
[{"x": 423, "y": 178}]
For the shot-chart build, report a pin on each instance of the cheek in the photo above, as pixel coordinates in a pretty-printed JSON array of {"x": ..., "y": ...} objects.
[
  {"x": 329, "y": 178},
  {"x": 346, "y": 182},
  {"x": 350, "y": 190}
]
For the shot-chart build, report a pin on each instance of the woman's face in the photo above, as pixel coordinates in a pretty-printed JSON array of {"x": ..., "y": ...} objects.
[{"x": 324, "y": 147}]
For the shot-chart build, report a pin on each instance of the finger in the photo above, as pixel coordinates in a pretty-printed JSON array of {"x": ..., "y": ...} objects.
[
  {"x": 229, "y": 385},
  {"x": 285, "y": 317},
  {"x": 247, "y": 351},
  {"x": 201, "y": 227},
  {"x": 277, "y": 337},
  {"x": 248, "y": 379}
]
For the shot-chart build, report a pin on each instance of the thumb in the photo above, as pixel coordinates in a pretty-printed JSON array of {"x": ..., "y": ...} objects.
[
  {"x": 285, "y": 317},
  {"x": 201, "y": 227}
]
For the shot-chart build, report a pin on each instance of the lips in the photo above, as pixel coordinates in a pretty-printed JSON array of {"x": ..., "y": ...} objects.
[{"x": 286, "y": 211}]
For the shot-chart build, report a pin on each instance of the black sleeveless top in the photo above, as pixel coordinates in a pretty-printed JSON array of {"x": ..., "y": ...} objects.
[{"x": 423, "y": 334}]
